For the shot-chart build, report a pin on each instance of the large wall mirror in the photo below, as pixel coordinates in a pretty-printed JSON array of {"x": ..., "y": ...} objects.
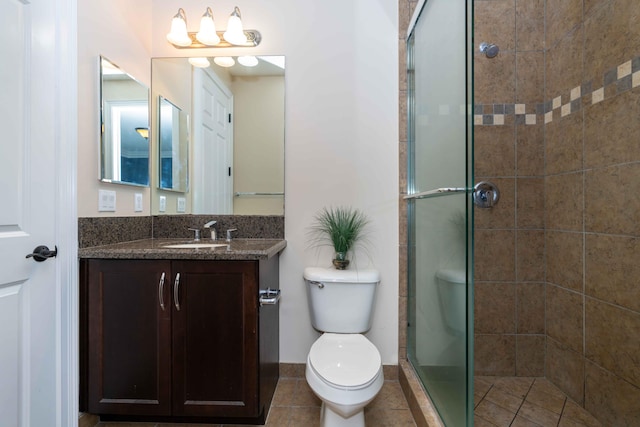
[
  {"x": 124, "y": 136},
  {"x": 236, "y": 143}
]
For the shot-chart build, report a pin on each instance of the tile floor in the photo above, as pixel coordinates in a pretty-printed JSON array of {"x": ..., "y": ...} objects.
[
  {"x": 525, "y": 402},
  {"x": 295, "y": 405},
  {"x": 499, "y": 402}
]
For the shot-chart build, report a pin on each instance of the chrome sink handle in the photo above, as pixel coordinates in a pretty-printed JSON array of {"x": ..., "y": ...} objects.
[{"x": 229, "y": 233}]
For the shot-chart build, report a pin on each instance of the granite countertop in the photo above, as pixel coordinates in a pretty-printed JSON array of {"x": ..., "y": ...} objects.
[{"x": 238, "y": 249}]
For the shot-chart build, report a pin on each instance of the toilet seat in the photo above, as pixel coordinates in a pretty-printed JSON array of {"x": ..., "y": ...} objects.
[{"x": 345, "y": 361}]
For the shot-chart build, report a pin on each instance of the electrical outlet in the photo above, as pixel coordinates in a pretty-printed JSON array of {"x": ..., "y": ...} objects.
[
  {"x": 137, "y": 199},
  {"x": 182, "y": 204},
  {"x": 106, "y": 201},
  {"x": 162, "y": 205}
]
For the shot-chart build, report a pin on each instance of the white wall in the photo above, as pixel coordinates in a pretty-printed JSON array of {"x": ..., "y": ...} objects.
[
  {"x": 341, "y": 132},
  {"x": 121, "y": 31}
]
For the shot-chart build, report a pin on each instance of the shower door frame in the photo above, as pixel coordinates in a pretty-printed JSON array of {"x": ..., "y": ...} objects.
[{"x": 468, "y": 190}]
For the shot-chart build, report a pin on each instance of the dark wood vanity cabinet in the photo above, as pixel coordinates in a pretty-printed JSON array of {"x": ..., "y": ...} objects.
[{"x": 179, "y": 339}]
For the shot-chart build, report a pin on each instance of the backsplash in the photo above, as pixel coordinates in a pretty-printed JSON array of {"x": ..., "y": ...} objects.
[{"x": 97, "y": 231}]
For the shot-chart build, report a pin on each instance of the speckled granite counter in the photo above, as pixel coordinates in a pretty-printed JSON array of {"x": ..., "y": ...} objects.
[{"x": 238, "y": 249}]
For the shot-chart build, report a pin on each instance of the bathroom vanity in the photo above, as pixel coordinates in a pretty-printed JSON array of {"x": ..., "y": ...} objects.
[{"x": 179, "y": 334}]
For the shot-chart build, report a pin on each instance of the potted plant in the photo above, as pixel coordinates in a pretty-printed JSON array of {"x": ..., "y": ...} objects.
[{"x": 340, "y": 227}]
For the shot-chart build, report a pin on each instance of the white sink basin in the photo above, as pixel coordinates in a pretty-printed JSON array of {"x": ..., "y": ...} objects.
[{"x": 195, "y": 245}]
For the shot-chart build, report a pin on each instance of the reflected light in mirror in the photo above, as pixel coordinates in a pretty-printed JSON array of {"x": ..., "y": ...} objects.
[
  {"x": 200, "y": 62},
  {"x": 224, "y": 61},
  {"x": 248, "y": 61}
]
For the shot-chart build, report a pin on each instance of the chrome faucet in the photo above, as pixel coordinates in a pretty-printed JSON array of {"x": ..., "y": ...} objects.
[
  {"x": 229, "y": 233},
  {"x": 210, "y": 225}
]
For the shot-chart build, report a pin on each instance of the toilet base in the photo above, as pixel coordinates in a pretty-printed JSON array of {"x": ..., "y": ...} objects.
[{"x": 329, "y": 418}]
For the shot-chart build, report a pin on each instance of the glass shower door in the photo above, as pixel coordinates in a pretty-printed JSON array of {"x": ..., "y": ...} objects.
[{"x": 440, "y": 334}]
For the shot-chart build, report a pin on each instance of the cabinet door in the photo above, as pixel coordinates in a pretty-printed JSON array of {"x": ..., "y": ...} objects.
[
  {"x": 129, "y": 337},
  {"x": 215, "y": 349}
]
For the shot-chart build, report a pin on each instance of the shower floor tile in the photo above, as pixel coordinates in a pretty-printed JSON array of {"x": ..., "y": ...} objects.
[{"x": 525, "y": 402}]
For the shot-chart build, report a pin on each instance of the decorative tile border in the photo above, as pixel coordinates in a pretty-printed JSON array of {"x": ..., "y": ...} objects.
[{"x": 617, "y": 80}]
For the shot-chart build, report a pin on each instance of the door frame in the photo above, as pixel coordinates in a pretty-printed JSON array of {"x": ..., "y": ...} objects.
[{"x": 66, "y": 130}]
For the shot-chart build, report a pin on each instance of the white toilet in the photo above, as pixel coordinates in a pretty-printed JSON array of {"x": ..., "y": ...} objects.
[
  {"x": 344, "y": 368},
  {"x": 452, "y": 288}
]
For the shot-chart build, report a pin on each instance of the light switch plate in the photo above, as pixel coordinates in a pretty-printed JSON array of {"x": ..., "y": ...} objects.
[
  {"x": 182, "y": 204},
  {"x": 137, "y": 199},
  {"x": 162, "y": 205},
  {"x": 106, "y": 201}
]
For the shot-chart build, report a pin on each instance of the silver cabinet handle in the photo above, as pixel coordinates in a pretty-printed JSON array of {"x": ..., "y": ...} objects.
[
  {"x": 176, "y": 294},
  {"x": 161, "y": 291},
  {"x": 269, "y": 296}
]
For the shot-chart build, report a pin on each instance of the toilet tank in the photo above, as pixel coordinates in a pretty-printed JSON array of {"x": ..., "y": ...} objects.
[{"x": 341, "y": 301}]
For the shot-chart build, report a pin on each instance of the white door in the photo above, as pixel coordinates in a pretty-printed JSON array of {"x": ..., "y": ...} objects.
[
  {"x": 213, "y": 145},
  {"x": 34, "y": 385}
]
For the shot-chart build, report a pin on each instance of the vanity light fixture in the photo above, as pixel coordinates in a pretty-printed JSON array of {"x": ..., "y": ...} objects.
[{"x": 208, "y": 36}]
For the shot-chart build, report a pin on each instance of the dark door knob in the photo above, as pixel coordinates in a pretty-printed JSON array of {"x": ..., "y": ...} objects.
[{"x": 42, "y": 253}]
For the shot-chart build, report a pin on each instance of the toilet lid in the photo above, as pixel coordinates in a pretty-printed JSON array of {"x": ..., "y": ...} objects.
[{"x": 345, "y": 360}]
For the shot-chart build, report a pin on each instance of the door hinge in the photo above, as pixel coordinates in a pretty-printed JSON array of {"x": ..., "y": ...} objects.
[
  {"x": 229, "y": 117},
  {"x": 229, "y": 171}
]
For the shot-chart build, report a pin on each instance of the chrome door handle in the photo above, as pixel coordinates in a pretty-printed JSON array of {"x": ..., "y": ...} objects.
[
  {"x": 176, "y": 294},
  {"x": 161, "y": 291},
  {"x": 485, "y": 194}
]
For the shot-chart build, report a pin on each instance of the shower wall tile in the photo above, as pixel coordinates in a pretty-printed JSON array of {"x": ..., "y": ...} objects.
[
  {"x": 402, "y": 64},
  {"x": 530, "y": 77},
  {"x": 503, "y": 214},
  {"x": 592, "y": 6},
  {"x": 564, "y": 64},
  {"x": 561, "y": 17},
  {"x": 530, "y": 25},
  {"x": 494, "y": 150},
  {"x": 530, "y": 351},
  {"x": 494, "y": 308},
  {"x": 530, "y": 255},
  {"x": 530, "y": 308},
  {"x": 564, "y": 314},
  {"x": 563, "y": 144},
  {"x": 612, "y": 269},
  {"x": 494, "y": 255},
  {"x": 565, "y": 369},
  {"x": 612, "y": 130},
  {"x": 530, "y": 203},
  {"x": 564, "y": 254},
  {"x": 530, "y": 150},
  {"x": 564, "y": 202},
  {"x": 612, "y": 339},
  {"x": 495, "y": 79},
  {"x": 613, "y": 203},
  {"x": 611, "y": 399},
  {"x": 495, "y": 355},
  {"x": 495, "y": 22},
  {"x": 611, "y": 36}
]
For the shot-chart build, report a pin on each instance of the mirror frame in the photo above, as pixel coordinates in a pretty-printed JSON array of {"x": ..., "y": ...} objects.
[{"x": 106, "y": 117}]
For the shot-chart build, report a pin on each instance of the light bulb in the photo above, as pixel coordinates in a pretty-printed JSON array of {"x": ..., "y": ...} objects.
[
  {"x": 235, "y": 33},
  {"x": 207, "y": 33},
  {"x": 178, "y": 34}
]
